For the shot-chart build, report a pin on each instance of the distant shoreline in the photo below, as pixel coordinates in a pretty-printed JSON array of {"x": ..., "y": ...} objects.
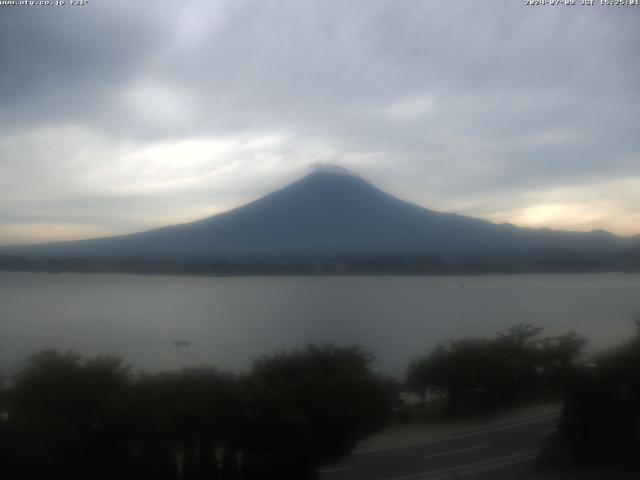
[{"x": 323, "y": 266}]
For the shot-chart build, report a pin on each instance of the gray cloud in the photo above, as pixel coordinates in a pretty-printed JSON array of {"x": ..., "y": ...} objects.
[{"x": 119, "y": 117}]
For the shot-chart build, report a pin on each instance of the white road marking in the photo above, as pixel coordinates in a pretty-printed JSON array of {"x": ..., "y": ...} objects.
[
  {"x": 458, "y": 436},
  {"x": 468, "y": 468},
  {"x": 453, "y": 452},
  {"x": 334, "y": 470}
]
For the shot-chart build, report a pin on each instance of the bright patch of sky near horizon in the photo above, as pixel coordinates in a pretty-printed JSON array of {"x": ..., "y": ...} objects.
[{"x": 118, "y": 117}]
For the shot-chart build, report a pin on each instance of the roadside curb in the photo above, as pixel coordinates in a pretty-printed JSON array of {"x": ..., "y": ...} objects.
[{"x": 414, "y": 435}]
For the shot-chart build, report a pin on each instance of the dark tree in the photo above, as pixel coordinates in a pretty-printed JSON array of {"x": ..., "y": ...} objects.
[
  {"x": 63, "y": 414},
  {"x": 310, "y": 407},
  {"x": 477, "y": 373},
  {"x": 600, "y": 423}
]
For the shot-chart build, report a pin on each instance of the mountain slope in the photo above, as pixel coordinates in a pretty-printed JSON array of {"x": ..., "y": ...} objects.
[{"x": 333, "y": 213}]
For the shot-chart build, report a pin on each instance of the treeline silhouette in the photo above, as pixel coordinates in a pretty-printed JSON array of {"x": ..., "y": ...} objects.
[
  {"x": 65, "y": 417},
  {"x": 74, "y": 418},
  {"x": 478, "y": 374}
]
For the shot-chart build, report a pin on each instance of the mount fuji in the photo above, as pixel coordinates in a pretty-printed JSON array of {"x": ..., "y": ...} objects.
[{"x": 329, "y": 213}]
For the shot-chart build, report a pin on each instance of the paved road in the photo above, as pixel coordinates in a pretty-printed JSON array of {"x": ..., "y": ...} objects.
[{"x": 501, "y": 449}]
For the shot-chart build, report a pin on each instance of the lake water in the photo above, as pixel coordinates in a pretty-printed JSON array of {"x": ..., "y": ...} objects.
[{"x": 231, "y": 320}]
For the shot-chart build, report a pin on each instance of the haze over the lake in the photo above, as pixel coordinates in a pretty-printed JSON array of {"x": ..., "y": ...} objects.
[
  {"x": 231, "y": 320},
  {"x": 118, "y": 117}
]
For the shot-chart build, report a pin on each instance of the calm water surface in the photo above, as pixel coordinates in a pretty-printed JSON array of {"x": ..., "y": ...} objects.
[{"x": 229, "y": 321}]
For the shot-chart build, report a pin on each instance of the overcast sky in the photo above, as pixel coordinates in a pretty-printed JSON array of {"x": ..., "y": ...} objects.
[{"x": 120, "y": 116}]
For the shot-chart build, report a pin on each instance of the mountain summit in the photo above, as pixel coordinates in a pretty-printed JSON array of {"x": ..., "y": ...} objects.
[{"x": 332, "y": 212}]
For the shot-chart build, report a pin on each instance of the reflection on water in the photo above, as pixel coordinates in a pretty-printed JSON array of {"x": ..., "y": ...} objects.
[{"x": 170, "y": 322}]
